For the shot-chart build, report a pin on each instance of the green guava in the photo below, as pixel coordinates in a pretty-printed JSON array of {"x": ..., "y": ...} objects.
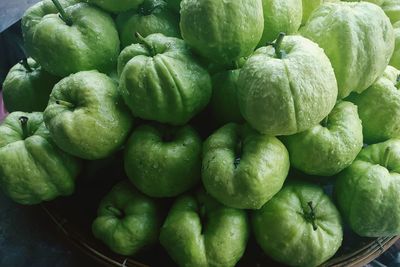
[
  {"x": 328, "y": 147},
  {"x": 379, "y": 108},
  {"x": 368, "y": 191},
  {"x": 299, "y": 226},
  {"x": 280, "y": 16},
  {"x": 222, "y": 30},
  {"x": 287, "y": 87},
  {"x": 357, "y": 37}
]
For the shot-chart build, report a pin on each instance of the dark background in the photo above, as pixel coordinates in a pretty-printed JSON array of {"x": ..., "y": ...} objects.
[{"x": 29, "y": 238}]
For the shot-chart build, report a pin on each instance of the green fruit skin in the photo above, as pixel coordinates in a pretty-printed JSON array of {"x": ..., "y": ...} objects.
[
  {"x": 242, "y": 168},
  {"x": 147, "y": 20},
  {"x": 308, "y": 7},
  {"x": 199, "y": 231},
  {"x": 284, "y": 231},
  {"x": 358, "y": 39},
  {"x": 222, "y": 37},
  {"x": 326, "y": 150},
  {"x": 91, "y": 42},
  {"x": 289, "y": 95},
  {"x": 163, "y": 161},
  {"x": 175, "y": 5},
  {"x": 97, "y": 123},
  {"x": 379, "y": 108},
  {"x": 280, "y": 16},
  {"x": 163, "y": 83},
  {"x": 395, "y": 60},
  {"x": 127, "y": 221},
  {"x": 392, "y": 10},
  {"x": 32, "y": 168},
  {"x": 368, "y": 191},
  {"x": 376, "y": 2},
  {"x": 28, "y": 90},
  {"x": 116, "y": 6},
  {"x": 224, "y": 101}
]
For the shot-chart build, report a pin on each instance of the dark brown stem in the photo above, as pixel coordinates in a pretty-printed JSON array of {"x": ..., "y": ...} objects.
[
  {"x": 238, "y": 153},
  {"x": 311, "y": 216},
  {"x": 25, "y": 63},
  {"x": 63, "y": 14},
  {"x": 24, "y": 125},
  {"x": 64, "y": 103}
]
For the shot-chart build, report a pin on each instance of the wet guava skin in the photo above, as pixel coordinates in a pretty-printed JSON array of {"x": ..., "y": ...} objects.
[
  {"x": 32, "y": 168},
  {"x": 242, "y": 168},
  {"x": 151, "y": 17},
  {"x": 90, "y": 43},
  {"x": 329, "y": 147},
  {"x": 283, "y": 229},
  {"x": 308, "y": 7},
  {"x": 200, "y": 231},
  {"x": 86, "y": 115},
  {"x": 284, "y": 96},
  {"x": 28, "y": 90},
  {"x": 379, "y": 108},
  {"x": 127, "y": 221},
  {"x": 376, "y": 2},
  {"x": 162, "y": 81},
  {"x": 222, "y": 30},
  {"x": 358, "y": 39},
  {"x": 368, "y": 191},
  {"x": 395, "y": 60},
  {"x": 280, "y": 16},
  {"x": 163, "y": 161}
]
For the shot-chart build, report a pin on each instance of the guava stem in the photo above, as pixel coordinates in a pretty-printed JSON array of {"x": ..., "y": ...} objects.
[
  {"x": 312, "y": 216},
  {"x": 64, "y": 103},
  {"x": 386, "y": 156},
  {"x": 25, "y": 63},
  {"x": 203, "y": 217},
  {"x": 238, "y": 153},
  {"x": 397, "y": 85},
  {"x": 24, "y": 125},
  {"x": 116, "y": 212},
  {"x": 325, "y": 121},
  {"x": 144, "y": 42},
  {"x": 277, "y": 45},
  {"x": 63, "y": 14},
  {"x": 236, "y": 162}
]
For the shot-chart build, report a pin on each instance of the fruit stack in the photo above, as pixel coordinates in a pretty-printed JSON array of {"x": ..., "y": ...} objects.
[{"x": 292, "y": 85}]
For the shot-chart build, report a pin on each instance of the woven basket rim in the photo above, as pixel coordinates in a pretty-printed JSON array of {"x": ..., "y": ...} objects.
[{"x": 367, "y": 253}]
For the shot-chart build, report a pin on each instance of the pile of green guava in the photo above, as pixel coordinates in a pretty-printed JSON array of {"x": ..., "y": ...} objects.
[{"x": 240, "y": 111}]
